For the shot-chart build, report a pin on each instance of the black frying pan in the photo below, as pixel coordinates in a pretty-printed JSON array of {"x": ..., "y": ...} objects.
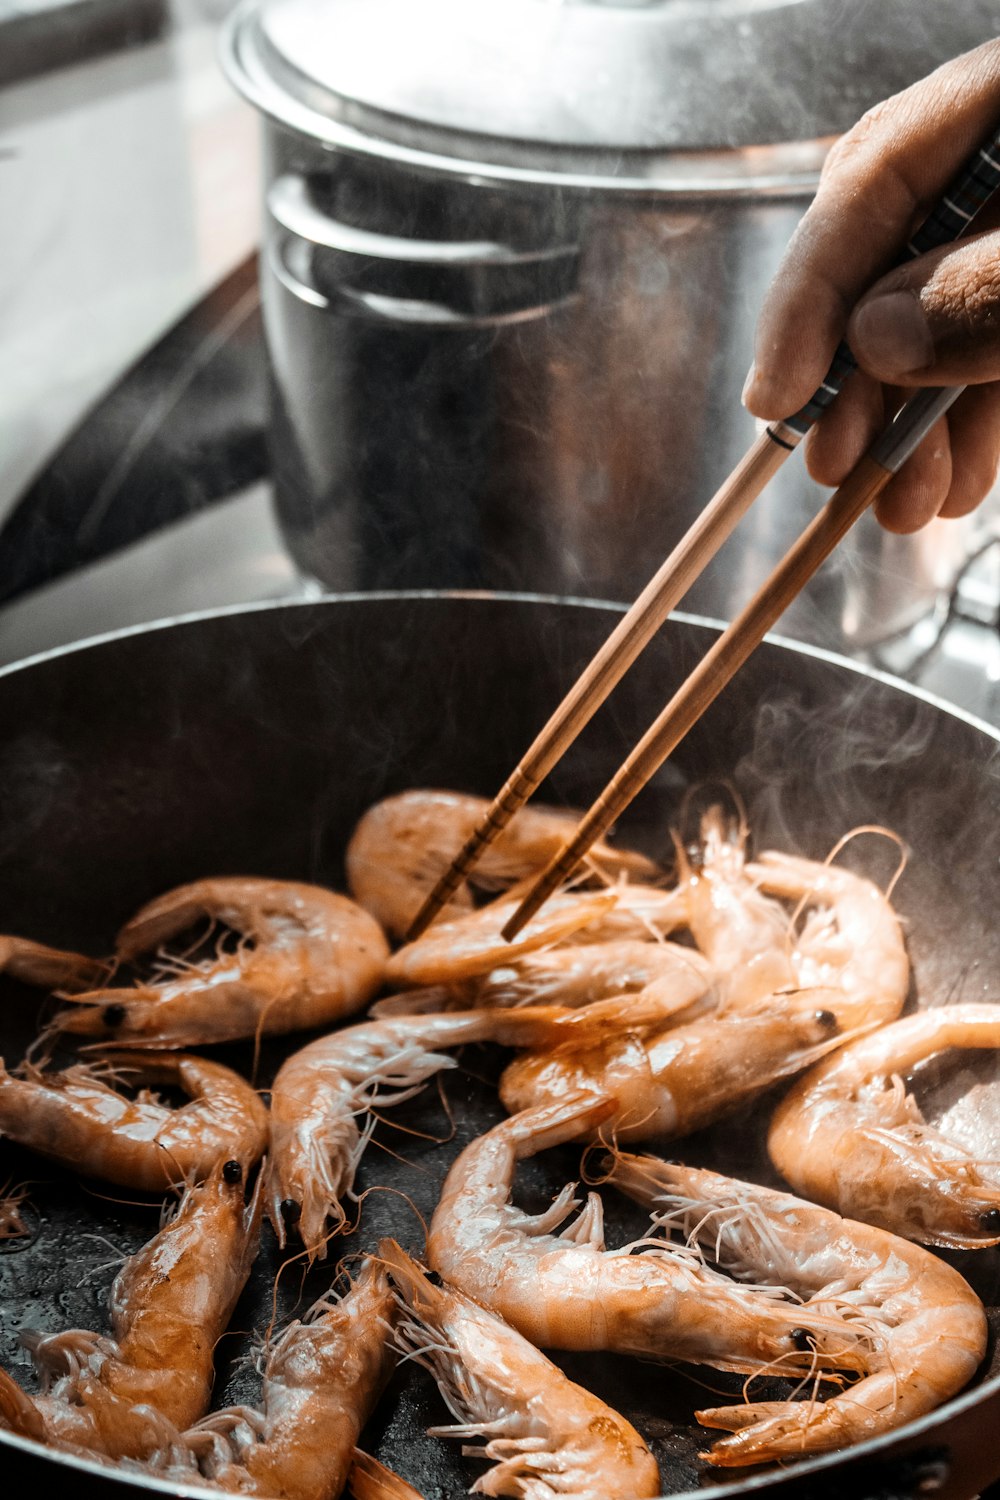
[{"x": 249, "y": 741}]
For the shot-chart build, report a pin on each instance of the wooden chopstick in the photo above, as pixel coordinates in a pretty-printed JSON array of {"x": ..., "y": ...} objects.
[
  {"x": 868, "y": 477},
  {"x": 951, "y": 218}
]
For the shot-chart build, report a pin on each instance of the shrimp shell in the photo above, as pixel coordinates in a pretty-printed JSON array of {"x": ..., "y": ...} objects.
[
  {"x": 563, "y": 1290},
  {"x": 851, "y": 941},
  {"x": 403, "y": 844},
  {"x": 925, "y": 1329},
  {"x": 310, "y": 957},
  {"x": 322, "y": 1378},
  {"x": 321, "y": 1090},
  {"x": 848, "y": 1135},
  {"x": 77, "y": 1118},
  {"x": 673, "y": 1079},
  {"x": 125, "y": 1396},
  {"x": 546, "y": 1436},
  {"x": 51, "y": 968}
]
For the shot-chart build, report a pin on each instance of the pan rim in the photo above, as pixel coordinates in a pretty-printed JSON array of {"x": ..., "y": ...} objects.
[{"x": 491, "y": 596}]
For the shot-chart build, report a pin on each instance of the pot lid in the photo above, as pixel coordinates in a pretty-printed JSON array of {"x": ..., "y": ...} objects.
[{"x": 618, "y": 76}]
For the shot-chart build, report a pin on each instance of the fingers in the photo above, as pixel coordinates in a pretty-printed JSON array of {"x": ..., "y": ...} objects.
[
  {"x": 880, "y": 180},
  {"x": 950, "y": 473},
  {"x": 935, "y": 321}
]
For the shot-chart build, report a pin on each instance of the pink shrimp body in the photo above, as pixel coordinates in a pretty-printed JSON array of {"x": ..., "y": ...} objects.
[
  {"x": 309, "y": 957},
  {"x": 403, "y": 844},
  {"x": 76, "y": 1117},
  {"x": 124, "y": 1396},
  {"x": 923, "y": 1328},
  {"x": 851, "y": 940},
  {"x": 470, "y": 946},
  {"x": 562, "y": 1290},
  {"x": 546, "y": 1436},
  {"x": 51, "y": 968},
  {"x": 848, "y": 1135},
  {"x": 672, "y": 1081},
  {"x": 322, "y": 1377},
  {"x": 321, "y": 1090}
]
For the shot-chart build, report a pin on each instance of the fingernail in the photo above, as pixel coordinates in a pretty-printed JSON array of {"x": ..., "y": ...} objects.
[
  {"x": 890, "y": 333},
  {"x": 751, "y": 377}
]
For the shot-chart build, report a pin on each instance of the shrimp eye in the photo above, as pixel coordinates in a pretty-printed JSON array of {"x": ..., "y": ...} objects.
[
  {"x": 113, "y": 1015},
  {"x": 989, "y": 1220},
  {"x": 801, "y": 1339},
  {"x": 232, "y": 1172},
  {"x": 434, "y": 1278},
  {"x": 291, "y": 1211},
  {"x": 826, "y": 1019}
]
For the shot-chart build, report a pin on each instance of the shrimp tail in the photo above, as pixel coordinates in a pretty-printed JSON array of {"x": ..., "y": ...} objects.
[{"x": 18, "y": 1413}]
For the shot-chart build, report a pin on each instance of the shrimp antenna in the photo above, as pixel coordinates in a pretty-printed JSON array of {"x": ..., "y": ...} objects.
[
  {"x": 382, "y": 1187},
  {"x": 882, "y": 832}
]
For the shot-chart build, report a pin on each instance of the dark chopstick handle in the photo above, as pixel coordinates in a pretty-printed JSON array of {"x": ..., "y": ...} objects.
[
  {"x": 955, "y": 211},
  {"x": 868, "y": 477}
]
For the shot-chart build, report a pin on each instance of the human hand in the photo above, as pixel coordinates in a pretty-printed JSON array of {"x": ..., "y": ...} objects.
[{"x": 933, "y": 321}]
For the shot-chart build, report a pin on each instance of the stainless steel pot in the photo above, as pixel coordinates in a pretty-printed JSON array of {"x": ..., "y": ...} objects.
[{"x": 512, "y": 259}]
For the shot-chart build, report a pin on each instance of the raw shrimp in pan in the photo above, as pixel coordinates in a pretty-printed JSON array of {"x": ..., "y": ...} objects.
[
  {"x": 545, "y": 1435},
  {"x": 321, "y": 1380},
  {"x": 570, "y": 975},
  {"x": 672, "y": 1079},
  {"x": 849, "y": 1135},
  {"x": 124, "y": 1396},
  {"x": 563, "y": 1290},
  {"x": 306, "y": 957},
  {"x": 402, "y": 845},
  {"x": 51, "y": 968},
  {"x": 578, "y": 974},
  {"x": 78, "y": 1118},
  {"x": 926, "y": 1329},
  {"x": 470, "y": 946},
  {"x": 321, "y": 1091},
  {"x": 742, "y": 932},
  {"x": 851, "y": 940}
]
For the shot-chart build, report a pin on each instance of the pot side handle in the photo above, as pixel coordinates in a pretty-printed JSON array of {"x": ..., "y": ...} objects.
[{"x": 363, "y": 273}]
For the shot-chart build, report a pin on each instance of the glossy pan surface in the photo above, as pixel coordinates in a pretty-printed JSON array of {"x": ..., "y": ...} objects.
[{"x": 249, "y": 741}]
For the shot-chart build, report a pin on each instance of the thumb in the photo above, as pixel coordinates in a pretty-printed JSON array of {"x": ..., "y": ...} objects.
[{"x": 935, "y": 320}]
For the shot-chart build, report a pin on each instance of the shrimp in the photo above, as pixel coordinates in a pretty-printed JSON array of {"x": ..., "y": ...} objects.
[
  {"x": 926, "y": 1329},
  {"x": 78, "y": 1118},
  {"x": 851, "y": 941},
  {"x": 322, "y": 1378},
  {"x": 578, "y": 974},
  {"x": 402, "y": 845},
  {"x": 320, "y": 1091},
  {"x": 545, "y": 1435},
  {"x": 848, "y": 1135},
  {"x": 470, "y": 946},
  {"x": 675, "y": 1079},
  {"x": 125, "y": 1396},
  {"x": 52, "y": 968},
  {"x": 307, "y": 957},
  {"x": 563, "y": 1290},
  {"x": 741, "y": 931}
]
